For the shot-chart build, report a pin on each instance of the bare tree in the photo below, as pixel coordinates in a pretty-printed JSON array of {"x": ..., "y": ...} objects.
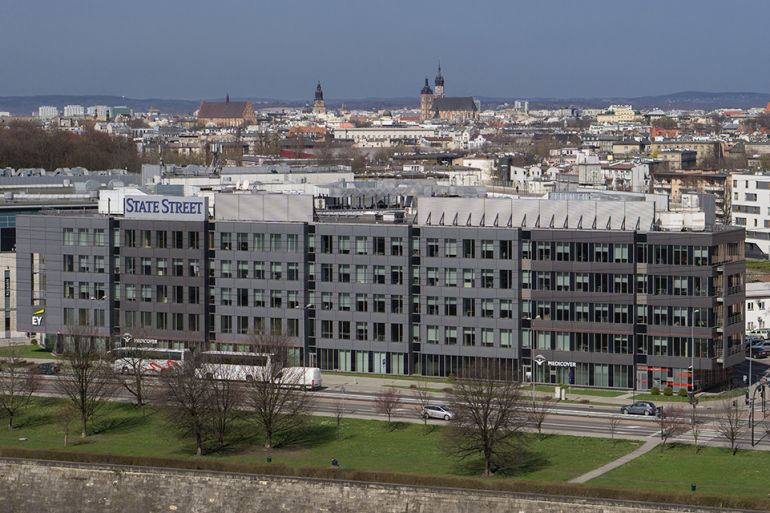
[
  {"x": 538, "y": 411},
  {"x": 16, "y": 387},
  {"x": 339, "y": 413},
  {"x": 131, "y": 372},
  {"x": 489, "y": 418},
  {"x": 277, "y": 394},
  {"x": 387, "y": 402},
  {"x": 88, "y": 382},
  {"x": 672, "y": 423},
  {"x": 189, "y": 398},
  {"x": 65, "y": 415},
  {"x": 422, "y": 400},
  {"x": 226, "y": 402},
  {"x": 613, "y": 422},
  {"x": 729, "y": 424}
]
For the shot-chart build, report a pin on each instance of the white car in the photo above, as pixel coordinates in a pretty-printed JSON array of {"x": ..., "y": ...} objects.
[{"x": 437, "y": 412}]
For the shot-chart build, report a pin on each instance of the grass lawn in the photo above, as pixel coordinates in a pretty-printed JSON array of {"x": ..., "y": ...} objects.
[
  {"x": 27, "y": 351},
  {"x": 573, "y": 390},
  {"x": 713, "y": 470},
  {"x": 758, "y": 265},
  {"x": 360, "y": 444}
]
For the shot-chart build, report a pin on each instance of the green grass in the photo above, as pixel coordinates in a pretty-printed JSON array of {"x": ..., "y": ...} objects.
[
  {"x": 579, "y": 391},
  {"x": 27, "y": 351},
  {"x": 394, "y": 377},
  {"x": 360, "y": 444},
  {"x": 758, "y": 265},
  {"x": 713, "y": 470}
]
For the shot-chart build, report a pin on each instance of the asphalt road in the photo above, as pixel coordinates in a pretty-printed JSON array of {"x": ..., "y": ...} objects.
[{"x": 574, "y": 419}]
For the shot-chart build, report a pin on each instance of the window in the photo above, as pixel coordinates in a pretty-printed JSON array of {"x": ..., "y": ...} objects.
[
  {"x": 562, "y": 281},
  {"x": 242, "y": 241},
  {"x": 146, "y": 238},
  {"x": 146, "y": 292},
  {"x": 396, "y": 304},
  {"x": 69, "y": 290},
  {"x": 506, "y": 309},
  {"x": 487, "y": 249},
  {"x": 506, "y": 250},
  {"x": 432, "y": 335},
  {"x": 620, "y": 253},
  {"x": 130, "y": 292},
  {"x": 621, "y": 314},
  {"x": 378, "y": 331},
  {"x": 469, "y": 307},
  {"x": 69, "y": 316},
  {"x": 226, "y": 324},
  {"x": 326, "y": 244},
  {"x": 469, "y": 336},
  {"x": 487, "y": 278},
  {"x": 431, "y": 276},
  {"x": 487, "y": 337},
  {"x": 432, "y": 305},
  {"x": 601, "y": 252},
  {"x": 226, "y": 268},
  {"x": 344, "y": 301},
  {"x": 378, "y": 303},
  {"x": 83, "y": 266},
  {"x": 99, "y": 318},
  {"x": 276, "y": 270},
  {"x": 161, "y": 293},
  {"x": 292, "y": 271},
  {"x": 563, "y": 251},
  {"x": 100, "y": 237},
  {"x": 469, "y": 248},
  {"x": 259, "y": 298},
  {"x": 396, "y": 246},
  {"x": 193, "y": 240},
  {"x": 362, "y": 331},
  {"x": 506, "y": 338},
  {"x": 396, "y": 275},
  {"x": 450, "y": 277},
  {"x": 327, "y": 329},
  {"x": 450, "y": 306},
  {"x": 259, "y": 242},
  {"x": 68, "y": 238},
  {"x": 343, "y": 330},
  {"x": 450, "y": 335},
  {"x": 582, "y": 312},
  {"x": 361, "y": 246},
  {"x": 361, "y": 303},
  {"x": 226, "y": 295},
  {"x": 343, "y": 273},
  {"x": 242, "y": 296},
  {"x": 69, "y": 263},
  {"x": 259, "y": 270},
  {"x": 431, "y": 247},
  {"x": 488, "y": 308},
  {"x": 161, "y": 320},
  {"x": 506, "y": 279},
  {"x": 379, "y": 274},
  {"x": 543, "y": 250},
  {"x": 468, "y": 278},
  {"x": 275, "y": 242},
  {"x": 276, "y": 299},
  {"x": 343, "y": 244},
  {"x": 98, "y": 264},
  {"x": 177, "y": 265},
  {"x": 292, "y": 243},
  {"x": 83, "y": 237},
  {"x": 361, "y": 274},
  {"x": 450, "y": 248}
]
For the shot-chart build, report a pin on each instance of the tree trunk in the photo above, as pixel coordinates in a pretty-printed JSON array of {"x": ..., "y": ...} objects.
[
  {"x": 84, "y": 421},
  {"x": 198, "y": 444},
  {"x": 10, "y": 421}
]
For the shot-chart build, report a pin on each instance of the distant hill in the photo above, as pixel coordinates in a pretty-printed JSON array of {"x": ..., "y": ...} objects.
[{"x": 26, "y": 105}]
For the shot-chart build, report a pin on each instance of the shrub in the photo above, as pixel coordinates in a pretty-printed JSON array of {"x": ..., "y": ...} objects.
[
  {"x": 682, "y": 392},
  {"x": 668, "y": 391},
  {"x": 655, "y": 391}
]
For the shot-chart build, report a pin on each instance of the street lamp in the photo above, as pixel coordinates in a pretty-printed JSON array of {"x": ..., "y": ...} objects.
[{"x": 539, "y": 360}]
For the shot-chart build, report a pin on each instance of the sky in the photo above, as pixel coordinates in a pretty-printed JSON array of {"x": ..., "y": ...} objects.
[{"x": 192, "y": 49}]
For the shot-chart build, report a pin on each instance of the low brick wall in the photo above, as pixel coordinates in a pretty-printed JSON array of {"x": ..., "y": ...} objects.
[{"x": 40, "y": 487}]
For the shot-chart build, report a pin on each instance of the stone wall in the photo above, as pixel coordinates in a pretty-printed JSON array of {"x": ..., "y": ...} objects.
[{"x": 40, "y": 487}]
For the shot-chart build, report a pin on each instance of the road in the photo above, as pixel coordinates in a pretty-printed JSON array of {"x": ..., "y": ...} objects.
[{"x": 572, "y": 419}]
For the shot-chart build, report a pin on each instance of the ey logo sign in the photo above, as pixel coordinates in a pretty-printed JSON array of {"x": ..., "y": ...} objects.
[{"x": 37, "y": 317}]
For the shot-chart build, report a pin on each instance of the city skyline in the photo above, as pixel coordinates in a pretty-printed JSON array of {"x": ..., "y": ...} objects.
[{"x": 551, "y": 49}]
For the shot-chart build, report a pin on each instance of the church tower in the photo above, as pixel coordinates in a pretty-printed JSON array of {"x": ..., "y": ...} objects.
[
  {"x": 439, "y": 83},
  {"x": 426, "y": 102},
  {"x": 318, "y": 104}
]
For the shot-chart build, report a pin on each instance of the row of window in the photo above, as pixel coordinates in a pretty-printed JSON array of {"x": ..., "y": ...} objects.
[
  {"x": 359, "y": 245},
  {"x": 162, "y": 294},
  {"x": 273, "y": 242},
  {"x": 161, "y": 321},
  {"x": 161, "y": 239},
  {"x": 84, "y": 237},
  {"x": 615, "y": 283},
  {"x": 658, "y": 254},
  {"x": 469, "y": 278},
  {"x": 84, "y": 290},
  {"x": 258, "y": 298},
  {"x": 245, "y": 325},
  {"x": 469, "y": 248},
  {"x": 615, "y": 313},
  {"x": 618, "y": 344},
  {"x": 376, "y": 274},
  {"x": 259, "y": 270},
  {"x": 84, "y": 263},
  {"x": 84, "y": 317}
]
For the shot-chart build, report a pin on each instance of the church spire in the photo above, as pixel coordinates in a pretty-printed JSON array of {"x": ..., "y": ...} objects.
[
  {"x": 439, "y": 82},
  {"x": 227, "y": 98}
]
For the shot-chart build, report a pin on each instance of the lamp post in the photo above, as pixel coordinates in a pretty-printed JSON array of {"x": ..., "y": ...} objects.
[
  {"x": 759, "y": 388},
  {"x": 539, "y": 360}
]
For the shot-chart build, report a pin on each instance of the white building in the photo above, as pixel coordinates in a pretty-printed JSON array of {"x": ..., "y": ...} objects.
[
  {"x": 757, "y": 305},
  {"x": 751, "y": 208},
  {"x": 383, "y": 137},
  {"x": 47, "y": 112},
  {"x": 98, "y": 111},
  {"x": 74, "y": 111}
]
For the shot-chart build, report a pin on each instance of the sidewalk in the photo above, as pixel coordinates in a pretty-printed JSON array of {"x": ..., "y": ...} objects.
[{"x": 647, "y": 447}]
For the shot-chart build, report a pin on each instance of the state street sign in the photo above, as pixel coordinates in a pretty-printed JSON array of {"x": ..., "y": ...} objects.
[{"x": 178, "y": 208}]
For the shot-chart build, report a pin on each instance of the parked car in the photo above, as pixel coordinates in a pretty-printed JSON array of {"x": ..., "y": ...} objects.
[
  {"x": 763, "y": 333},
  {"x": 47, "y": 368},
  {"x": 437, "y": 412},
  {"x": 757, "y": 351},
  {"x": 639, "y": 408}
]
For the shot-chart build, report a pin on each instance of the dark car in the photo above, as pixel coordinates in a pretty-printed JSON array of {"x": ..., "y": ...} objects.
[
  {"x": 639, "y": 408},
  {"x": 48, "y": 368},
  {"x": 757, "y": 351}
]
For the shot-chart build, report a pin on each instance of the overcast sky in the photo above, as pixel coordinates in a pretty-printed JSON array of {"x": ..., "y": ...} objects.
[{"x": 364, "y": 48}]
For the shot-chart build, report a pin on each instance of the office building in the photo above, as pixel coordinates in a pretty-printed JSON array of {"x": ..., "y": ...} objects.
[{"x": 596, "y": 290}]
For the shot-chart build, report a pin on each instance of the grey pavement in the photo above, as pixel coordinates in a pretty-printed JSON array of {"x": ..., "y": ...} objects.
[{"x": 645, "y": 448}]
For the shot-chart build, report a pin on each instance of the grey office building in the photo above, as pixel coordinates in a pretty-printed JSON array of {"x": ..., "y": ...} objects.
[{"x": 595, "y": 291}]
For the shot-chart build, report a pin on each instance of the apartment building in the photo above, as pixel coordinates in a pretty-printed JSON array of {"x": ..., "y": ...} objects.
[
  {"x": 751, "y": 208},
  {"x": 584, "y": 292}
]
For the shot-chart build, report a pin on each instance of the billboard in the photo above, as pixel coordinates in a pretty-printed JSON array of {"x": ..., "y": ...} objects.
[{"x": 172, "y": 208}]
